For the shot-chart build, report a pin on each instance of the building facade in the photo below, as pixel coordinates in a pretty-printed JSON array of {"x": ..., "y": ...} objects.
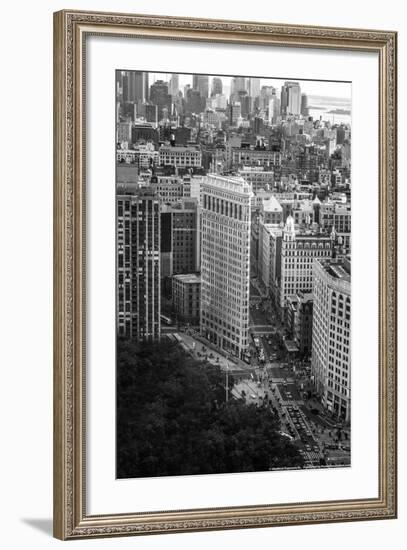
[
  {"x": 255, "y": 157},
  {"x": 123, "y": 132},
  {"x": 299, "y": 321},
  {"x": 299, "y": 249},
  {"x": 201, "y": 83},
  {"x": 291, "y": 99},
  {"x": 271, "y": 210},
  {"x": 182, "y": 157},
  {"x": 159, "y": 96},
  {"x": 225, "y": 262},
  {"x": 217, "y": 86},
  {"x": 267, "y": 236},
  {"x": 144, "y": 156},
  {"x": 180, "y": 237},
  {"x": 170, "y": 189},
  {"x": 138, "y": 298},
  {"x": 331, "y": 361},
  {"x": 338, "y": 216},
  {"x": 186, "y": 297},
  {"x": 135, "y": 86},
  {"x": 257, "y": 177}
]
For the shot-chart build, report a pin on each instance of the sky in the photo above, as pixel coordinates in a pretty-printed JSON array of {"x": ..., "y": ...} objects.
[{"x": 310, "y": 87}]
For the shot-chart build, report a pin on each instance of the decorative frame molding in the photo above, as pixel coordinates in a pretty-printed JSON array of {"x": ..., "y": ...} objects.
[{"x": 70, "y": 31}]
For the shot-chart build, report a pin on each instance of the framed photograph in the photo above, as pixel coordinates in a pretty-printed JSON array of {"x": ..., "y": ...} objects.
[{"x": 225, "y": 274}]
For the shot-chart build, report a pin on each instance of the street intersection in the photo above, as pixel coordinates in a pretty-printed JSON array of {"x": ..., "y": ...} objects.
[{"x": 272, "y": 379}]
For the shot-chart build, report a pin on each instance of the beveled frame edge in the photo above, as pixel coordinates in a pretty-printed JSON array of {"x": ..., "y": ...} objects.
[{"x": 70, "y": 519}]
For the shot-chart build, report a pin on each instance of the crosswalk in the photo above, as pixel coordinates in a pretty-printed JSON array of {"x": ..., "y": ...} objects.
[{"x": 314, "y": 456}]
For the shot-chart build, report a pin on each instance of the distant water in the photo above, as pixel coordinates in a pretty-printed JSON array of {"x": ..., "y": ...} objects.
[{"x": 333, "y": 109}]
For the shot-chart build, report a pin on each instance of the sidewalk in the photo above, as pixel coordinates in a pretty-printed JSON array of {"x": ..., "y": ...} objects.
[{"x": 220, "y": 357}]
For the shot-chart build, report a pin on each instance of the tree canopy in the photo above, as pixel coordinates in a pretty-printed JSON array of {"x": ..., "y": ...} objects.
[{"x": 172, "y": 418}]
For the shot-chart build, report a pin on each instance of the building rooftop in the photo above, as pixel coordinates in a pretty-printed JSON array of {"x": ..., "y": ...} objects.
[
  {"x": 310, "y": 234},
  {"x": 136, "y": 190},
  {"x": 188, "y": 278},
  {"x": 235, "y": 184},
  {"x": 179, "y": 149},
  {"x": 127, "y": 173},
  {"x": 274, "y": 228},
  {"x": 254, "y": 170},
  {"x": 271, "y": 204},
  {"x": 291, "y": 346},
  {"x": 338, "y": 268}
]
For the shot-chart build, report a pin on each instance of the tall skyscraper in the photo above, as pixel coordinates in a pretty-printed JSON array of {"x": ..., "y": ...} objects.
[
  {"x": 194, "y": 102},
  {"x": 225, "y": 267},
  {"x": 304, "y": 105},
  {"x": 138, "y": 299},
  {"x": 141, "y": 85},
  {"x": 174, "y": 84},
  {"x": 271, "y": 109},
  {"x": 331, "y": 360},
  {"x": 239, "y": 84},
  {"x": 291, "y": 99},
  {"x": 254, "y": 87},
  {"x": 283, "y": 100},
  {"x": 135, "y": 86},
  {"x": 245, "y": 104},
  {"x": 159, "y": 96},
  {"x": 235, "y": 112},
  {"x": 266, "y": 93},
  {"x": 217, "y": 86},
  {"x": 201, "y": 83}
]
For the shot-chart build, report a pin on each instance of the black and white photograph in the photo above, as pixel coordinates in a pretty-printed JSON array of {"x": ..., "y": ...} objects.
[{"x": 233, "y": 274}]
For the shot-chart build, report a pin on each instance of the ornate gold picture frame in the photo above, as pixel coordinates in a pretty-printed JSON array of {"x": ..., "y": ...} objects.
[{"x": 71, "y": 520}]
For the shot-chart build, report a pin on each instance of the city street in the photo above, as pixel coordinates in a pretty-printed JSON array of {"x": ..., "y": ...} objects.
[
  {"x": 282, "y": 383},
  {"x": 286, "y": 384}
]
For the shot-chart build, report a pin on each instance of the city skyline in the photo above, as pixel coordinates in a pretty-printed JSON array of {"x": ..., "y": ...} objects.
[
  {"x": 233, "y": 274},
  {"x": 326, "y": 88}
]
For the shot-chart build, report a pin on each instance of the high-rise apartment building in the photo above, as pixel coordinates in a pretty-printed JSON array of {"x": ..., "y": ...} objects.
[
  {"x": 225, "y": 258},
  {"x": 138, "y": 263},
  {"x": 331, "y": 359}
]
